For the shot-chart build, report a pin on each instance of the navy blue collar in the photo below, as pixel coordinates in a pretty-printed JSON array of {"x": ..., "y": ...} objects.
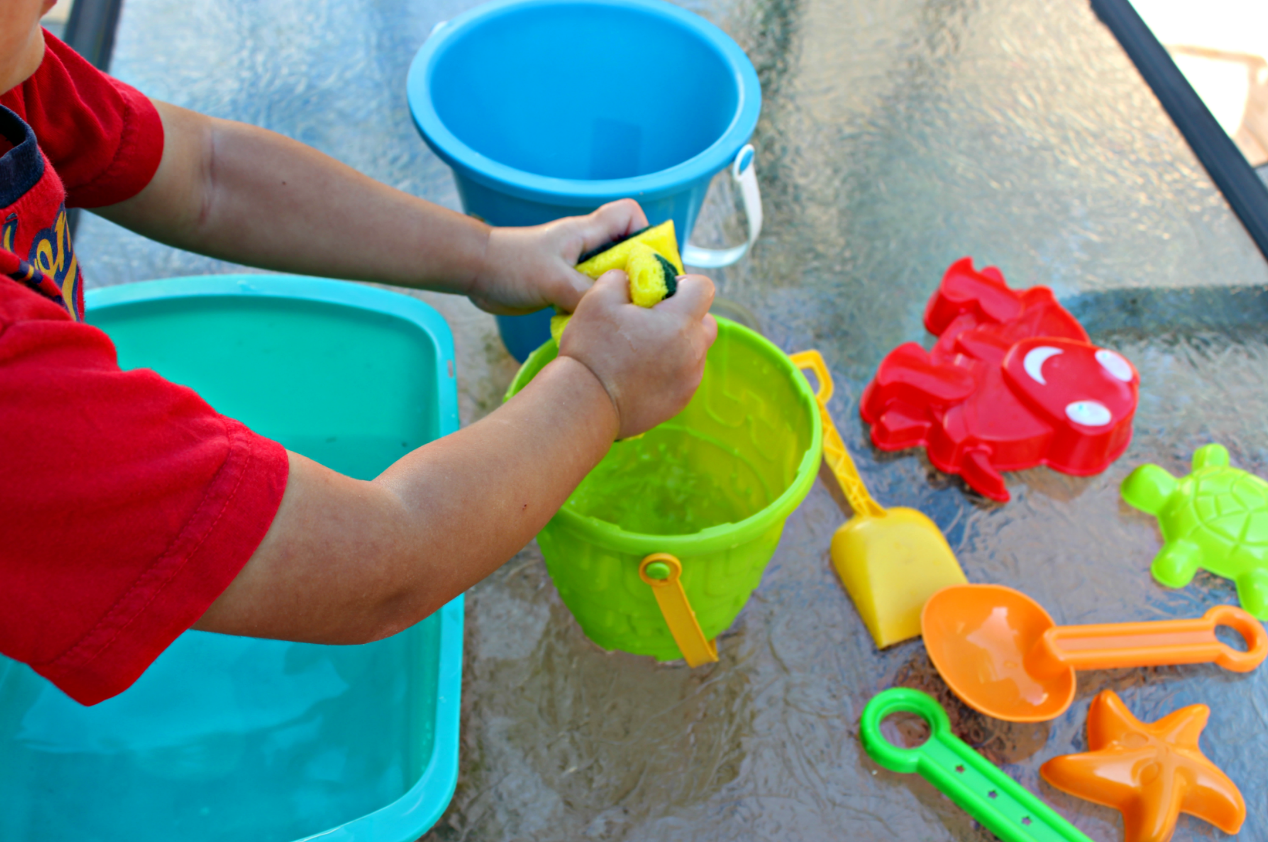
[{"x": 23, "y": 165}]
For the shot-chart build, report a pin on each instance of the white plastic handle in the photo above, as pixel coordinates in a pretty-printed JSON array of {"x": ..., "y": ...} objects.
[{"x": 744, "y": 175}]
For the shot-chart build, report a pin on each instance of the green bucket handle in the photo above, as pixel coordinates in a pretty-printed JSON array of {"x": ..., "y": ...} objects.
[{"x": 661, "y": 572}]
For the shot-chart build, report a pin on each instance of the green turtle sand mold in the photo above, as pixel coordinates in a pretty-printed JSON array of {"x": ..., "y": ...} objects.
[{"x": 1216, "y": 518}]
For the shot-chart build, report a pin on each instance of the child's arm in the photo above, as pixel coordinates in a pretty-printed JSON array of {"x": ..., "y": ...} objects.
[
  {"x": 252, "y": 196},
  {"x": 347, "y": 561}
]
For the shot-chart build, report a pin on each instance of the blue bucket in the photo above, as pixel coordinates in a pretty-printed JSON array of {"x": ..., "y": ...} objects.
[{"x": 550, "y": 108}]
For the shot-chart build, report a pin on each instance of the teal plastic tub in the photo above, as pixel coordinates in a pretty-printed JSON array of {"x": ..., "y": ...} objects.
[{"x": 230, "y": 738}]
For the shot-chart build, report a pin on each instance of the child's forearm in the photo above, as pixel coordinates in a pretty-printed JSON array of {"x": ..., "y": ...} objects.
[
  {"x": 348, "y": 561},
  {"x": 251, "y": 196}
]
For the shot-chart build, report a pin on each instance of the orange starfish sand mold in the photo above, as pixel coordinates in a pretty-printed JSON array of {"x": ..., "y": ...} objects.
[{"x": 1151, "y": 773}]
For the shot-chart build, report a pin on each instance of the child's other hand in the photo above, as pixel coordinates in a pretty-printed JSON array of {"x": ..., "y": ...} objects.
[
  {"x": 526, "y": 269},
  {"x": 650, "y": 361}
]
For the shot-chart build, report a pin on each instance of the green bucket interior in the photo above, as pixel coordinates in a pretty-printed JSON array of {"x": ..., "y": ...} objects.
[{"x": 712, "y": 486}]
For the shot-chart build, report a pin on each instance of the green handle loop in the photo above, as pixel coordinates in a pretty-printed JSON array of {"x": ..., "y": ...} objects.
[
  {"x": 1002, "y": 805},
  {"x": 900, "y": 700}
]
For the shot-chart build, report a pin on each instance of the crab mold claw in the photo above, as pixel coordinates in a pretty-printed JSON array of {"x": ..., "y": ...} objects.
[
  {"x": 982, "y": 476},
  {"x": 1177, "y": 563},
  {"x": 1148, "y": 488}
]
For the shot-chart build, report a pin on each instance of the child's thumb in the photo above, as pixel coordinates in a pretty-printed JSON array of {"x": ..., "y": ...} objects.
[
  {"x": 568, "y": 295},
  {"x": 693, "y": 298},
  {"x": 612, "y": 289}
]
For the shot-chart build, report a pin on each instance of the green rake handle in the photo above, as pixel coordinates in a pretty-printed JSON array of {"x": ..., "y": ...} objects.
[{"x": 1002, "y": 805}]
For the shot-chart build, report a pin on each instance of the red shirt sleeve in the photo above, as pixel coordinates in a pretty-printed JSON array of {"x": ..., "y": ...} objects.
[
  {"x": 127, "y": 504},
  {"x": 104, "y": 138}
]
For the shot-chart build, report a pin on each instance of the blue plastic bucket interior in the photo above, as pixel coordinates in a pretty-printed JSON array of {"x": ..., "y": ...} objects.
[
  {"x": 584, "y": 91},
  {"x": 550, "y": 108},
  {"x": 238, "y": 738}
]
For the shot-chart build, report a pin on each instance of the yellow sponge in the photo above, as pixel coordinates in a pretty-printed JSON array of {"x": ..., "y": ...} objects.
[
  {"x": 660, "y": 239},
  {"x": 651, "y": 260},
  {"x": 558, "y": 322},
  {"x": 652, "y": 277}
]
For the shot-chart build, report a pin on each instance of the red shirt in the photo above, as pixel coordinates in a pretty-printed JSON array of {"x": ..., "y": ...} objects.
[{"x": 127, "y": 504}]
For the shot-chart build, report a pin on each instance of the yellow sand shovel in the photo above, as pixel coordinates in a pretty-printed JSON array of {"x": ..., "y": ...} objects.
[{"x": 890, "y": 560}]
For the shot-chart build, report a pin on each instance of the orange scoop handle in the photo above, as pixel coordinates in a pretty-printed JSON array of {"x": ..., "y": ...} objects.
[{"x": 1118, "y": 645}]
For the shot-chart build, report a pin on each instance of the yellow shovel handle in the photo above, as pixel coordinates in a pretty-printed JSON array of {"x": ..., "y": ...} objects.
[
  {"x": 834, "y": 452},
  {"x": 677, "y": 612}
]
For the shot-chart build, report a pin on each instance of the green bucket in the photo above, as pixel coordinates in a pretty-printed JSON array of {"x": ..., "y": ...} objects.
[{"x": 712, "y": 487}]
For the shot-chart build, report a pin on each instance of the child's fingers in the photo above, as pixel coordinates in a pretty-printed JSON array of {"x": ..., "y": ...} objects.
[
  {"x": 692, "y": 299},
  {"x": 568, "y": 295},
  {"x": 611, "y": 290},
  {"x": 611, "y": 222},
  {"x": 710, "y": 329}
]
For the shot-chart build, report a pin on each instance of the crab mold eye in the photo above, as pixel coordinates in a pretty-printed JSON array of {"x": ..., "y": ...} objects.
[
  {"x": 1088, "y": 413},
  {"x": 1035, "y": 358},
  {"x": 1117, "y": 367}
]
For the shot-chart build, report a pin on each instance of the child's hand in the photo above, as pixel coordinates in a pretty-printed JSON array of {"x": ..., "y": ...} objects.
[
  {"x": 526, "y": 269},
  {"x": 650, "y": 361}
]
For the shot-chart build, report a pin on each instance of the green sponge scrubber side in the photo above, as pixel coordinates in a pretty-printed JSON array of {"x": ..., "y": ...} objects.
[{"x": 650, "y": 259}]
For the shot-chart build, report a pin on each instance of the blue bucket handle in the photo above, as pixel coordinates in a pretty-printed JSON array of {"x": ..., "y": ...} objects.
[{"x": 744, "y": 177}]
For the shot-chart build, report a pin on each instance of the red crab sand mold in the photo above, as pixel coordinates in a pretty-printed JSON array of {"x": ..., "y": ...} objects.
[{"x": 1011, "y": 383}]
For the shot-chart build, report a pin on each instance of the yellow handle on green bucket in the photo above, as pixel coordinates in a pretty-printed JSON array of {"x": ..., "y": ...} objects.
[
  {"x": 677, "y": 611},
  {"x": 834, "y": 452}
]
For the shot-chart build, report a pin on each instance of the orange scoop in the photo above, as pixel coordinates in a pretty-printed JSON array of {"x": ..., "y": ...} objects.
[{"x": 1003, "y": 655}]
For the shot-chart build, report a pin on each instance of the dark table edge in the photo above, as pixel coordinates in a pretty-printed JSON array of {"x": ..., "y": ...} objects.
[
  {"x": 90, "y": 29},
  {"x": 1228, "y": 168}
]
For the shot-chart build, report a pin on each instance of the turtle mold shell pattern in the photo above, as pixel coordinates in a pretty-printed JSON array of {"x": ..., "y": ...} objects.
[
  {"x": 1215, "y": 519},
  {"x": 1220, "y": 504}
]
